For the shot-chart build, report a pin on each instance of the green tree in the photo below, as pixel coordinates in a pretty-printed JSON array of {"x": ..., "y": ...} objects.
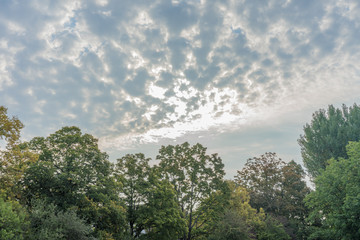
[
  {"x": 48, "y": 223},
  {"x": 232, "y": 226},
  {"x": 9, "y": 127},
  {"x": 161, "y": 216},
  {"x": 196, "y": 178},
  {"x": 335, "y": 204},
  {"x": 262, "y": 177},
  {"x": 242, "y": 221},
  {"x": 15, "y": 158},
  {"x": 70, "y": 164},
  {"x": 152, "y": 212},
  {"x": 133, "y": 171},
  {"x": 278, "y": 188},
  {"x": 239, "y": 220},
  {"x": 72, "y": 172},
  {"x": 272, "y": 230},
  {"x": 327, "y": 136},
  {"x": 13, "y": 220},
  {"x": 293, "y": 190}
]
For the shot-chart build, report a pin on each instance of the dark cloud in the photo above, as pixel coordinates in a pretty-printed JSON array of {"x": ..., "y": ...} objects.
[
  {"x": 137, "y": 85},
  {"x": 177, "y": 48},
  {"x": 177, "y": 17}
]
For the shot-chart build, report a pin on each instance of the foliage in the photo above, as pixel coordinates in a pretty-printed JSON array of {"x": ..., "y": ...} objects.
[
  {"x": 13, "y": 222},
  {"x": 72, "y": 172},
  {"x": 132, "y": 172},
  {"x": 293, "y": 190},
  {"x": 240, "y": 220},
  {"x": 335, "y": 204},
  {"x": 272, "y": 230},
  {"x": 9, "y": 127},
  {"x": 231, "y": 227},
  {"x": 162, "y": 216},
  {"x": 195, "y": 176},
  {"x": 327, "y": 136},
  {"x": 69, "y": 165},
  {"x": 48, "y": 223},
  {"x": 15, "y": 158},
  {"x": 278, "y": 188},
  {"x": 262, "y": 177},
  {"x": 152, "y": 212}
]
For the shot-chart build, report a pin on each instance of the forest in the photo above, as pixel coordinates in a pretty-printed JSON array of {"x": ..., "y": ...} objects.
[{"x": 64, "y": 187}]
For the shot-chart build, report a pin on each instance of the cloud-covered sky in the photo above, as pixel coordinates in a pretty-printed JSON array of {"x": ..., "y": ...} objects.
[{"x": 239, "y": 76}]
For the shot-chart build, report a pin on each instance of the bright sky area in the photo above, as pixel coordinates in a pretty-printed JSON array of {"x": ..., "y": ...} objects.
[{"x": 240, "y": 77}]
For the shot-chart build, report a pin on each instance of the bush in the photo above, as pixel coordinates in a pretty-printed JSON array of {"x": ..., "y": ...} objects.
[
  {"x": 48, "y": 223},
  {"x": 13, "y": 222}
]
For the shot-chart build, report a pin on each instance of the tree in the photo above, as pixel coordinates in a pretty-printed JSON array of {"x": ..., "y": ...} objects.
[
  {"x": 231, "y": 227},
  {"x": 262, "y": 177},
  {"x": 72, "y": 172},
  {"x": 327, "y": 136},
  {"x": 70, "y": 164},
  {"x": 272, "y": 230},
  {"x": 13, "y": 222},
  {"x": 48, "y": 223},
  {"x": 278, "y": 188},
  {"x": 15, "y": 159},
  {"x": 161, "y": 215},
  {"x": 132, "y": 171},
  {"x": 152, "y": 212},
  {"x": 196, "y": 178},
  {"x": 335, "y": 203},
  {"x": 293, "y": 190},
  {"x": 239, "y": 220},
  {"x": 9, "y": 127}
]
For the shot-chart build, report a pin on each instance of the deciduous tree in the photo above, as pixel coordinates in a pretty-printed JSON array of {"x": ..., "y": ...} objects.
[
  {"x": 15, "y": 158},
  {"x": 72, "y": 172},
  {"x": 13, "y": 220},
  {"x": 278, "y": 188},
  {"x": 10, "y": 127},
  {"x": 195, "y": 176},
  {"x": 335, "y": 202},
  {"x": 152, "y": 210},
  {"x": 48, "y": 223},
  {"x": 262, "y": 177},
  {"x": 239, "y": 220}
]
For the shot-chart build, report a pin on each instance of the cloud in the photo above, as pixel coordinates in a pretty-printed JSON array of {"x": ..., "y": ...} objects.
[{"x": 140, "y": 71}]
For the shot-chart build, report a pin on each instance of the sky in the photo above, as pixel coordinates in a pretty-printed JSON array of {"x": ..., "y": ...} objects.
[{"x": 241, "y": 77}]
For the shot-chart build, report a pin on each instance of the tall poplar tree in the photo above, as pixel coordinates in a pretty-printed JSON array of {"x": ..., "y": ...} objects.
[{"x": 327, "y": 136}]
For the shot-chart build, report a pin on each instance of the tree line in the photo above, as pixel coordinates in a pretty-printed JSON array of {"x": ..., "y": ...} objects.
[{"x": 64, "y": 187}]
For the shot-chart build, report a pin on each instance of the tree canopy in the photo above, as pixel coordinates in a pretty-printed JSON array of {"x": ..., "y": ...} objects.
[
  {"x": 10, "y": 127},
  {"x": 335, "y": 202},
  {"x": 15, "y": 158},
  {"x": 72, "y": 172},
  {"x": 196, "y": 176},
  {"x": 327, "y": 136},
  {"x": 276, "y": 187},
  {"x": 152, "y": 210}
]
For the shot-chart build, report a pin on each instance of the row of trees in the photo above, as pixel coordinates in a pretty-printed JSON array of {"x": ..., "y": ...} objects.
[{"x": 64, "y": 187}]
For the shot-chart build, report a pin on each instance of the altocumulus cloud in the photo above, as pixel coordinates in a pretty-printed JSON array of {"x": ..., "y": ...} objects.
[{"x": 139, "y": 71}]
